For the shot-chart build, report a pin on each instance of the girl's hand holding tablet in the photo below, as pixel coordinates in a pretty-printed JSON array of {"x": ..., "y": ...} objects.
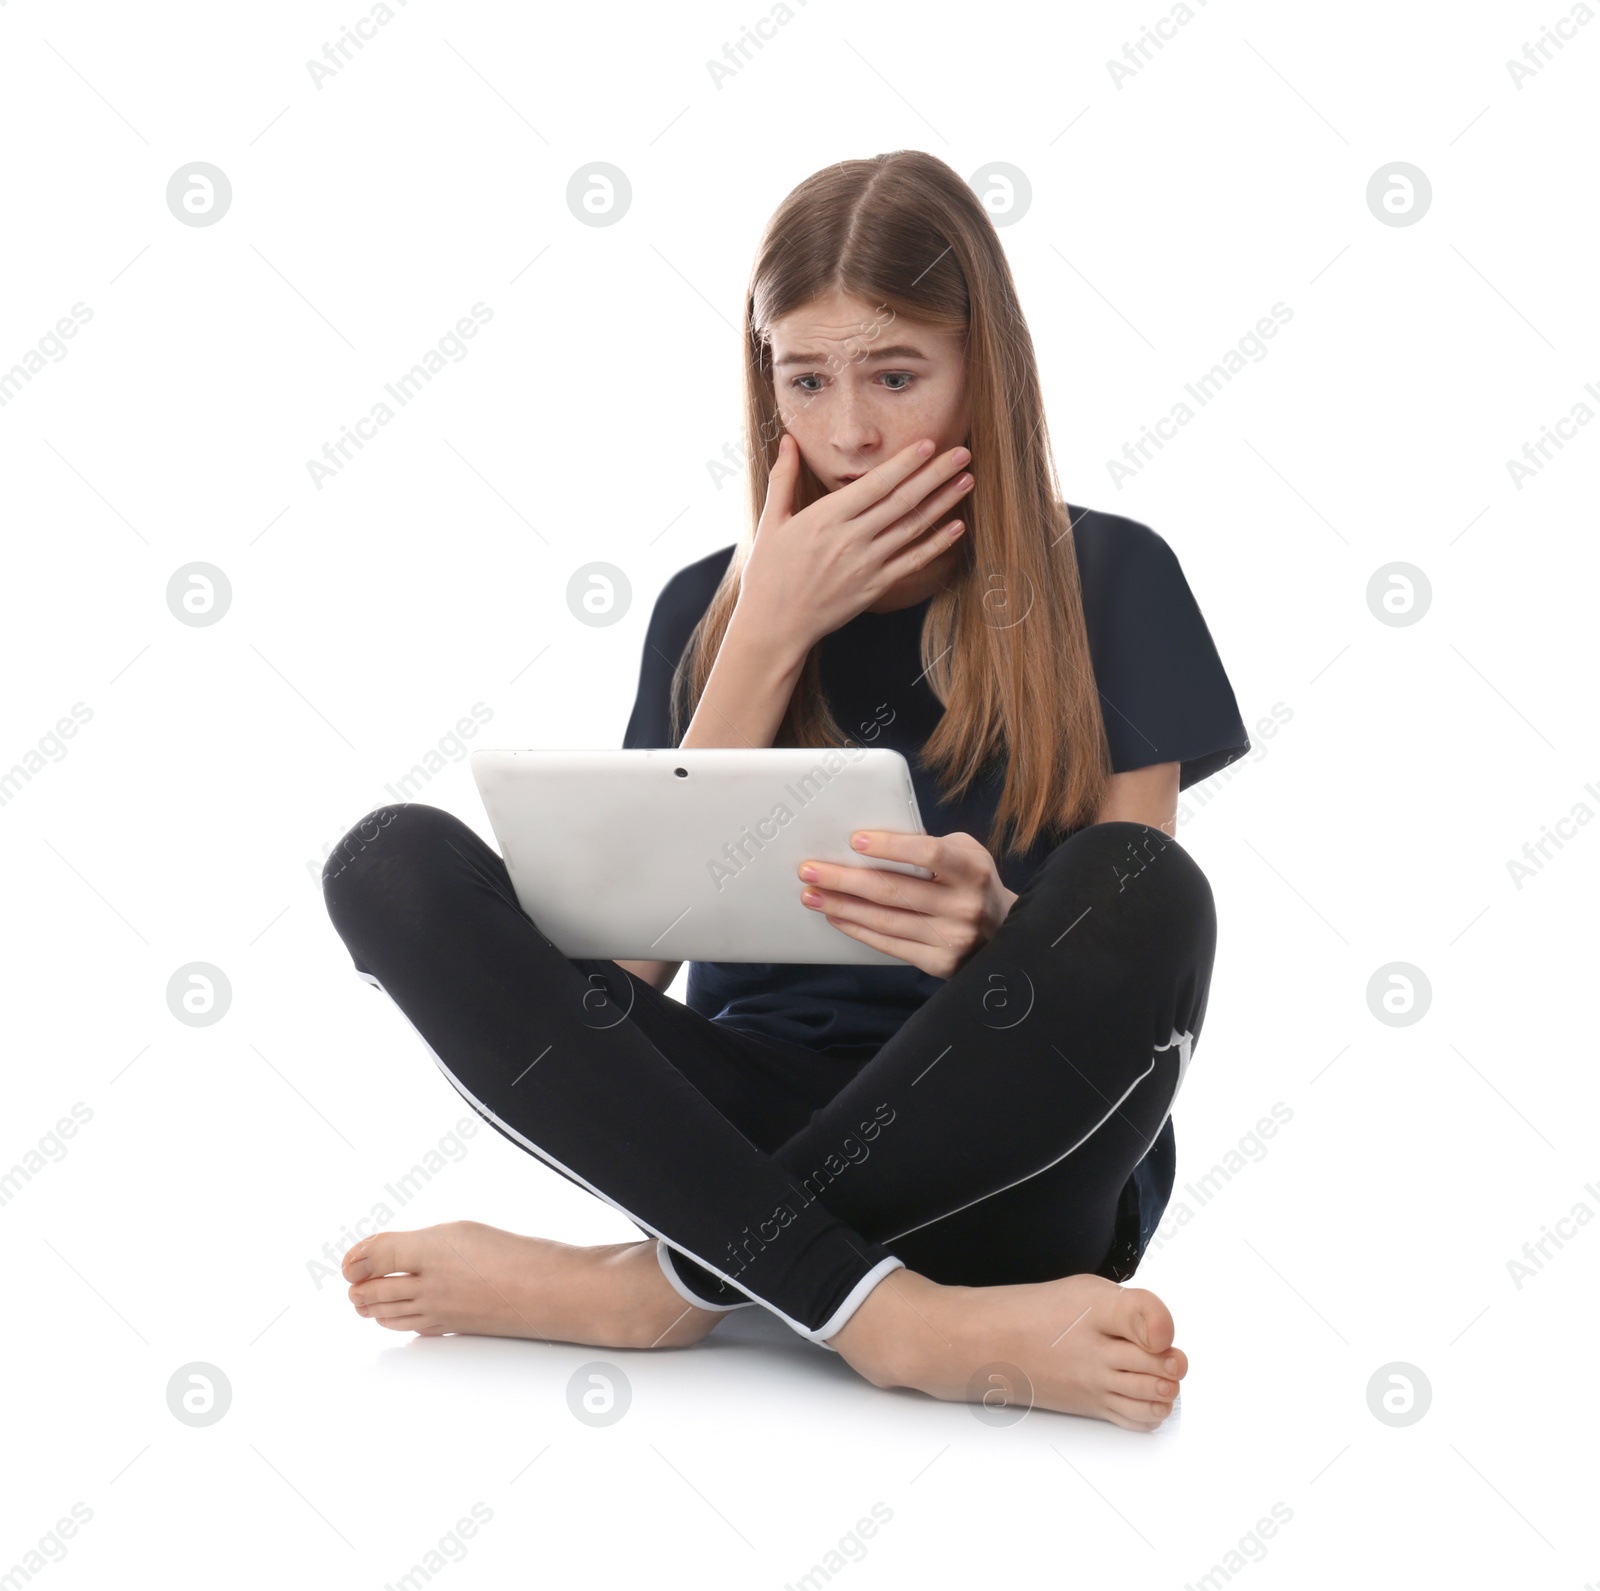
[{"x": 936, "y": 924}]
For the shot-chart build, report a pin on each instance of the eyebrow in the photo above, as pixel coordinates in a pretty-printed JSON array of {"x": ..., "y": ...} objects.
[{"x": 899, "y": 351}]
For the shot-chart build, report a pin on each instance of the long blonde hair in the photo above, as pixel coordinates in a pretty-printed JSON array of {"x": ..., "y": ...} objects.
[{"x": 1004, "y": 647}]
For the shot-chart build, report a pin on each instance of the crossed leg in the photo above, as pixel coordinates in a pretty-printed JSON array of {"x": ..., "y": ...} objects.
[{"x": 986, "y": 1143}]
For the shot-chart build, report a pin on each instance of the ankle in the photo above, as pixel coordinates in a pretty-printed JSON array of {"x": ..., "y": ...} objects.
[
  {"x": 889, "y": 1336},
  {"x": 656, "y": 1313}
]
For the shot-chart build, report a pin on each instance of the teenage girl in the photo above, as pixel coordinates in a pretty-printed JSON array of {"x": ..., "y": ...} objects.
[{"x": 945, "y": 1169}]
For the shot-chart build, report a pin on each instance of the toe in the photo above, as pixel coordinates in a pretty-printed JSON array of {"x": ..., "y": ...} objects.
[
  {"x": 1126, "y": 1355},
  {"x": 1141, "y": 1317},
  {"x": 1138, "y": 1413},
  {"x": 1133, "y": 1384},
  {"x": 384, "y": 1290},
  {"x": 400, "y": 1310},
  {"x": 373, "y": 1256}
]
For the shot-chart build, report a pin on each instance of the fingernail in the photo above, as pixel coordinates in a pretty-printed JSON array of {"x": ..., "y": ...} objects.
[
  {"x": 860, "y": 841},
  {"x": 809, "y": 872},
  {"x": 924, "y": 450}
]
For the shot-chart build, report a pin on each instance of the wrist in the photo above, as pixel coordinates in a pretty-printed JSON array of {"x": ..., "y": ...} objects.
[
  {"x": 761, "y": 636},
  {"x": 1005, "y": 900}
]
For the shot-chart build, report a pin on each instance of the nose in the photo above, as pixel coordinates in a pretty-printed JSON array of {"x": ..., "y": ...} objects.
[{"x": 856, "y": 437}]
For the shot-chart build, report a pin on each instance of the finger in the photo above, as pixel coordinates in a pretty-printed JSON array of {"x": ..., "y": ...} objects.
[
  {"x": 781, "y": 479},
  {"x": 879, "y": 884},
  {"x": 891, "y": 921},
  {"x": 932, "y": 851},
  {"x": 906, "y": 498},
  {"x": 889, "y": 944},
  {"x": 903, "y": 536},
  {"x": 897, "y": 485},
  {"x": 924, "y": 549}
]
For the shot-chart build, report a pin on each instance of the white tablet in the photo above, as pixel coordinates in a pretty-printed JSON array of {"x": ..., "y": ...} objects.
[{"x": 673, "y": 855}]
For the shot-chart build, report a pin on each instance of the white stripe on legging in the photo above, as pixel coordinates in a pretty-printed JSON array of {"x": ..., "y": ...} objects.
[
  {"x": 829, "y": 1327},
  {"x": 1184, "y": 1041},
  {"x": 681, "y": 1288}
]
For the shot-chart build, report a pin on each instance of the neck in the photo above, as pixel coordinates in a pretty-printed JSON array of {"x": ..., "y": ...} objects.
[{"x": 918, "y": 587}]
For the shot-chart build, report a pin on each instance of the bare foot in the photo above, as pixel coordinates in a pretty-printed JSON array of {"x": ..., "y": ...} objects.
[
  {"x": 1087, "y": 1345},
  {"x": 463, "y": 1276}
]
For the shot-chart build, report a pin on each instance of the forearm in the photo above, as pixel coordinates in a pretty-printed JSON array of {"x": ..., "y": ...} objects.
[
  {"x": 742, "y": 705},
  {"x": 1147, "y": 795},
  {"x": 749, "y": 688},
  {"x": 658, "y": 974}
]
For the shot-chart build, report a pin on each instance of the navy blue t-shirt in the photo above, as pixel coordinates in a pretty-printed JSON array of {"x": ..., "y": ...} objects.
[{"x": 1164, "y": 697}]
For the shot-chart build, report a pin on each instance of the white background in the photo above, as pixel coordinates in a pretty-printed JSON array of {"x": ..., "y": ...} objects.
[{"x": 188, "y": 818}]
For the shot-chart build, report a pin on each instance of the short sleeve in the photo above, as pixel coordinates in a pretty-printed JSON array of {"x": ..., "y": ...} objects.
[
  {"x": 1164, "y": 694},
  {"x": 679, "y": 607}
]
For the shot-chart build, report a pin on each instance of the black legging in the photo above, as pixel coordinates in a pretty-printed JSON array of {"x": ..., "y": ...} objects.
[{"x": 987, "y": 1141}]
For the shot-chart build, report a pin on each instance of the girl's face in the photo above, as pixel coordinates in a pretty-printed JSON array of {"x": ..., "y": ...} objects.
[{"x": 854, "y": 386}]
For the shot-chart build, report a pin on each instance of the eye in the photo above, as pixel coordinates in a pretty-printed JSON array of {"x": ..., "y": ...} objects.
[{"x": 905, "y": 376}]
